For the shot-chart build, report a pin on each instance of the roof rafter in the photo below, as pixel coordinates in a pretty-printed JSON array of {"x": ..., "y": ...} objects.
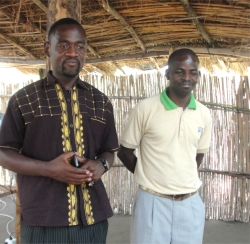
[
  {"x": 40, "y": 5},
  {"x": 9, "y": 40},
  {"x": 130, "y": 29},
  {"x": 196, "y": 22},
  {"x": 128, "y": 57},
  {"x": 23, "y": 21},
  {"x": 98, "y": 56},
  {"x": 161, "y": 51},
  {"x": 118, "y": 67},
  {"x": 156, "y": 64},
  {"x": 214, "y": 14},
  {"x": 99, "y": 70},
  {"x": 93, "y": 51},
  {"x": 115, "y": 14}
]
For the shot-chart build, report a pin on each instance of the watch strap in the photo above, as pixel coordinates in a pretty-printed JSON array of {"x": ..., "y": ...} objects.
[{"x": 105, "y": 164}]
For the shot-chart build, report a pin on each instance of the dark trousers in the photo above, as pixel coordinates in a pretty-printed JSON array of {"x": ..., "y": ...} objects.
[{"x": 95, "y": 233}]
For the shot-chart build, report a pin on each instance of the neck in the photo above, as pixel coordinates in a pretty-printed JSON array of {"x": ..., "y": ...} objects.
[
  {"x": 179, "y": 100},
  {"x": 67, "y": 85},
  {"x": 66, "y": 82}
]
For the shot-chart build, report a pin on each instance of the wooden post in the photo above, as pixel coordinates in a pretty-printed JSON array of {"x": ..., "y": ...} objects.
[{"x": 57, "y": 9}]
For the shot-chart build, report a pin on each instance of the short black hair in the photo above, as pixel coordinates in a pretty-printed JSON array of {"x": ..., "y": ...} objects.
[
  {"x": 64, "y": 21},
  {"x": 180, "y": 52}
]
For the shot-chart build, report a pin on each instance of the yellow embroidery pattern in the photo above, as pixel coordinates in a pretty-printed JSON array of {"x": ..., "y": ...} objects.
[
  {"x": 71, "y": 189},
  {"x": 77, "y": 119},
  {"x": 72, "y": 199},
  {"x": 78, "y": 130},
  {"x": 87, "y": 205}
]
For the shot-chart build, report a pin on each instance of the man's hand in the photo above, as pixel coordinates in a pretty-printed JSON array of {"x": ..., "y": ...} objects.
[
  {"x": 60, "y": 170},
  {"x": 95, "y": 167}
]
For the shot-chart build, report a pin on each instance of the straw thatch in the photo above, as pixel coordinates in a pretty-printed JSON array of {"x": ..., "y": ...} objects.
[{"x": 134, "y": 33}]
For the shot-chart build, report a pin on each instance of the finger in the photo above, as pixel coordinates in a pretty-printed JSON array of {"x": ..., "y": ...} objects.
[
  {"x": 85, "y": 180},
  {"x": 85, "y": 166},
  {"x": 84, "y": 160},
  {"x": 80, "y": 172},
  {"x": 69, "y": 154},
  {"x": 79, "y": 179}
]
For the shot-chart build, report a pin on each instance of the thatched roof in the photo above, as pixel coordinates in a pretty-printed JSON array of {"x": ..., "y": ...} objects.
[{"x": 135, "y": 33}]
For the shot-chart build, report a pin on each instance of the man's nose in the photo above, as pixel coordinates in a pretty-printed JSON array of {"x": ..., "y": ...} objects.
[
  {"x": 186, "y": 76},
  {"x": 71, "y": 51}
]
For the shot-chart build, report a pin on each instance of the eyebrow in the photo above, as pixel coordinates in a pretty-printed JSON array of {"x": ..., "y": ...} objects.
[
  {"x": 63, "y": 40},
  {"x": 184, "y": 69}
]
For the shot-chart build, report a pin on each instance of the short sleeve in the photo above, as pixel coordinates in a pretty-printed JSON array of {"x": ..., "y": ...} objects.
[
  {"x": 109, "y": 141},
  {"x": 134, "y": 129},
  {"x": 205, "y": 140},
  {"x": 13, "y": 127}
]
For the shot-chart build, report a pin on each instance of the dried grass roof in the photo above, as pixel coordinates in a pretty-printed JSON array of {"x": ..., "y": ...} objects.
[{"x": 135, "y": 33}]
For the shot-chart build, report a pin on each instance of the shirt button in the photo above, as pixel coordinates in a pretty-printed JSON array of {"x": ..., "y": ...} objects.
[
  {"x": 68, "y": 100},
  {"x": 71, "y": 125}
]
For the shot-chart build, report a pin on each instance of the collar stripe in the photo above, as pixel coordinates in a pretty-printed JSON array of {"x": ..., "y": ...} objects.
[{"x": 170, "y": 105}]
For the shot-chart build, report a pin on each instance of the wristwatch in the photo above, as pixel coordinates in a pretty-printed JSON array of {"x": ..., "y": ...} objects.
[{"x": 105, "y": 164}]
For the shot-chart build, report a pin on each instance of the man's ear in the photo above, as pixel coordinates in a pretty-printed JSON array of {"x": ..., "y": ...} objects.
[
  {"x": 167, "y": 74},
  {"x": 46, "y": 48}
]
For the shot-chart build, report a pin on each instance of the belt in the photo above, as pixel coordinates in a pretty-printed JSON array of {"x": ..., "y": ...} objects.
[{"x": 178, "y": 197}]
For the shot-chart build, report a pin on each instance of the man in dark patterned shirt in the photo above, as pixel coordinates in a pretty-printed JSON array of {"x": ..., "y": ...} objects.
[{"x": 45, "y": 125}]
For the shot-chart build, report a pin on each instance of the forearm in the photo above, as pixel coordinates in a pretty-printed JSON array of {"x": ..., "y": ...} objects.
[
  {"x": 58, "y": 169},
  {"x": 128, "y": 161},
  {"x": 128, "y": 158},
  {"x": 109, "y": 156},
  {"x": 16, "y": 162}
]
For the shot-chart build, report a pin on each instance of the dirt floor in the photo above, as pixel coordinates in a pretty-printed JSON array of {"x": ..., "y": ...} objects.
[{"x": 216, "y": 231}]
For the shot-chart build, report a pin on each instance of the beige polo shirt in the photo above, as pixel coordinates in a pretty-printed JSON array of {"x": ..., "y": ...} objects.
[{"x": 168, "y": 139}]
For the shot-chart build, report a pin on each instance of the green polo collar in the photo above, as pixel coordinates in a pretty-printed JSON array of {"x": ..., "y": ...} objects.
[{"x": 170, "y": 105}]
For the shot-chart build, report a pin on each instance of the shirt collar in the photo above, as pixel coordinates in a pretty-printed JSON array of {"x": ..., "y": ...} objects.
[
  {"x": 170, "y": 105},
  {"x": 51, "y": 80}
]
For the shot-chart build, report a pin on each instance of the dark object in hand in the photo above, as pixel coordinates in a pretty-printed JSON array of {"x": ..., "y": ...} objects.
[{"x": 74, "y": 162}]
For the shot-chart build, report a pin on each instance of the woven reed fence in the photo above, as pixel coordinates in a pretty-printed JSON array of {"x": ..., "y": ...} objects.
[{"x": 225, "y": 170}]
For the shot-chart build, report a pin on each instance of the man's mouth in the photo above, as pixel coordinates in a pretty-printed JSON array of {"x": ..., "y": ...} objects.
[
  {"x": 71, "y": 63},
  {"x": 186, "y": 85}
]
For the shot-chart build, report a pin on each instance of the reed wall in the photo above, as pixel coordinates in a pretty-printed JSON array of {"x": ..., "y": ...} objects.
[{"x": 225, "y": 170}]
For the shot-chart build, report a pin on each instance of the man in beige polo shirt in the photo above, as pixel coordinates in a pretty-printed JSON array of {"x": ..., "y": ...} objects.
[{"x": 172, "y": 132}]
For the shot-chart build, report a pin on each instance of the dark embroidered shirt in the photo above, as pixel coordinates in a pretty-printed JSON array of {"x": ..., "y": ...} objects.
[{"x": 42, "y": 121}]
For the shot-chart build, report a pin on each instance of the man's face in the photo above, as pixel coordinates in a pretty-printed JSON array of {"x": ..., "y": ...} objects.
[
  {"x": 67, "y": 50},
  {"x": 183, "y": 74}
]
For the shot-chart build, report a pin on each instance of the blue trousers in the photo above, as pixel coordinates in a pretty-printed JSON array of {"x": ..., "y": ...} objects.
[{"x": 161, "y": 220}]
